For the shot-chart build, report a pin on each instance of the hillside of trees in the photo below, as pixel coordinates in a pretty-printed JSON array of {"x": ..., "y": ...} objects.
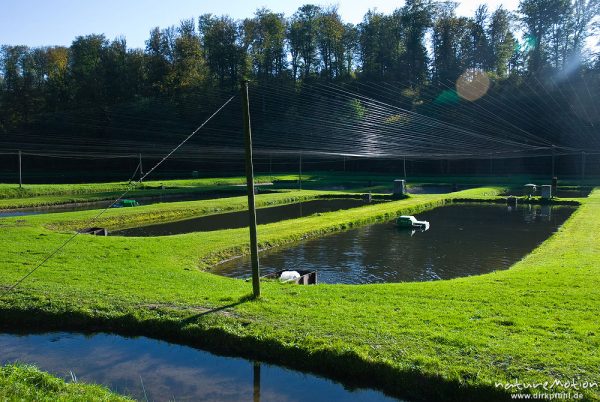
[{"x": 100, "y": 96}]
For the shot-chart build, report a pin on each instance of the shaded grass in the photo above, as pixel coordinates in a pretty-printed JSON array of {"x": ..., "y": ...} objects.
[
  {"x": 446, "y": 339},
  {"x": 26, "y": 383}
]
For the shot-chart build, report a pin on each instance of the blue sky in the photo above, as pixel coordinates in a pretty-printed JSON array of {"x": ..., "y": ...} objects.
[{"x": 58, "y": 22}]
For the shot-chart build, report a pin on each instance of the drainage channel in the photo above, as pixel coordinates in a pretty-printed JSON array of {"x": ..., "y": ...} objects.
[{"x": 149, "y": 369}]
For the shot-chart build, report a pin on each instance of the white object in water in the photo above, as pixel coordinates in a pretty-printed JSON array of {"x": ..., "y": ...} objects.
[
  {"x": 409, "y": 221},
  {"x": 289, "y": 276}
]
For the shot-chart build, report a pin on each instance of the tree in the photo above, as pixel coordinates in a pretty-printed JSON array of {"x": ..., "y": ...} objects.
[
  {"x": 116, "y": 77},
  {"x": 86, "y": 70},
  {"x": 480, "y": 50},
  {"x": 57, "y": 90},
  {"x": 330, "y": 42},
  {"x": 302, "y": 37},
  {"x": 381, "y": 45},
  {"x": 159, "y": 52},
  {"x": 265, "y": 38},
  {"x": 501, "y": 41},
  {"x": 350, "y": 46},
  {"x": 222, "y": 50},
  {"x": 583, "y": 14},
  {"x": 452, "y": 47},
  {"x": 189, "y": 66},
  {"x": 417, "y": 17},
  {"x": 543, "y": 20},
  {"x": 14, "y": 94},
  {"x": 294, "y": 39}
]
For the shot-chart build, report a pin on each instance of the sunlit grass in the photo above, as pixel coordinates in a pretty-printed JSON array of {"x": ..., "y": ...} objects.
[{"x": 446, "y": 339}]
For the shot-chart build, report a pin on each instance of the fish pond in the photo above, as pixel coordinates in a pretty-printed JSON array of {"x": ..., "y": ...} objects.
[
  {"x": 149, "y": 369},
  {"x": 463, "y": 240},
  {"x": 233, "y": 220}
]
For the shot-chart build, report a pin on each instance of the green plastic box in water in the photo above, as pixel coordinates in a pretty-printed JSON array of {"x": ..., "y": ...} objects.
[{"x": 129, "y": 203}]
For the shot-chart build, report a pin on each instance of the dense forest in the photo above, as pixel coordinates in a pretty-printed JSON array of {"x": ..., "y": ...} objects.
[{"x": 99, "y": 97}]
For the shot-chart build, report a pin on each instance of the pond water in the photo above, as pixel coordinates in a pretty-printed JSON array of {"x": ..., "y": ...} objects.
[
  {"x": 435, "y": 188},
  {"x": 561, "y": 192},
  {"x": 239, "y": 219},
  {"x": 169, "y": 371},
  {"x": 464, "y": 240},
  {"x": 411, "y": 189}
]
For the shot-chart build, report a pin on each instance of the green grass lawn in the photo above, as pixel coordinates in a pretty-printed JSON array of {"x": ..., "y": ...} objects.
[
  {"x": 27, "y": 383},
  {"x": 34, "y": 195},
  {"x": 432, "y": 340}
]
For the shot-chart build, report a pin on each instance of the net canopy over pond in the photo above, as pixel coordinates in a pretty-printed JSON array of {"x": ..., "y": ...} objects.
[{"x": 359, "y": 119}]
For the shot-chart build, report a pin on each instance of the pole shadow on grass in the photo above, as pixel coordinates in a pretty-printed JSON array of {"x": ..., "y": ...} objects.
[{"x": 241, "y": 300}]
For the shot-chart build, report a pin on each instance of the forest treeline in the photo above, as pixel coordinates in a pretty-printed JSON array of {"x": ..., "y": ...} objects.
[{"x": 423, "y": 47}]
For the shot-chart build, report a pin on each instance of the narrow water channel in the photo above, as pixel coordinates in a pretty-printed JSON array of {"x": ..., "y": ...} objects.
[
  {"x": 85, "y": 206},
  {"x": 169, "y": 371},
  {"x": 239, "y": 219},
  {"x": 561, "y": 192},
  {"x": 464, "y": 240}
]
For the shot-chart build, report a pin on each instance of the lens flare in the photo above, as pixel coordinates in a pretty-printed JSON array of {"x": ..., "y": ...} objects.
[{"x": 472, "y": 84}]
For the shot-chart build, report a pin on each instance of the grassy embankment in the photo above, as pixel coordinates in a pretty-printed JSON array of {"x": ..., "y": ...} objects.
[
  {"x": 27, "y": 383},
  {"x": 447, "y": 339},
  {"x": 33, "y": 195},
  {"x": 127, "y": 217}
]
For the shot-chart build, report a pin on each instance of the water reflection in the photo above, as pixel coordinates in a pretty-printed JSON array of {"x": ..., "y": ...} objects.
[{"x": 256, "y": 377}]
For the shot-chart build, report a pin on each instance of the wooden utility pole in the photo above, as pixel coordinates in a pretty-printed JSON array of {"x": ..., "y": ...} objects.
[
  {"x": 141, "y": 169},
  {"x": 553, "y": 163},
  {"x": 582, "y": 166},
  {"x": 250, "y": 187},
  {"x": 404, "y": 164},
  {"x": 300, "y": 173},
  {"x": 20, "y": 171}
]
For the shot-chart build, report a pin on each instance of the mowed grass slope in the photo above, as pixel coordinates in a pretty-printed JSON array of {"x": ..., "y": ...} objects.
[
  {"x": 27, "y": 383},
  {"x": 446, "y": 339},
  {"x": 35, "y": 195}
]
